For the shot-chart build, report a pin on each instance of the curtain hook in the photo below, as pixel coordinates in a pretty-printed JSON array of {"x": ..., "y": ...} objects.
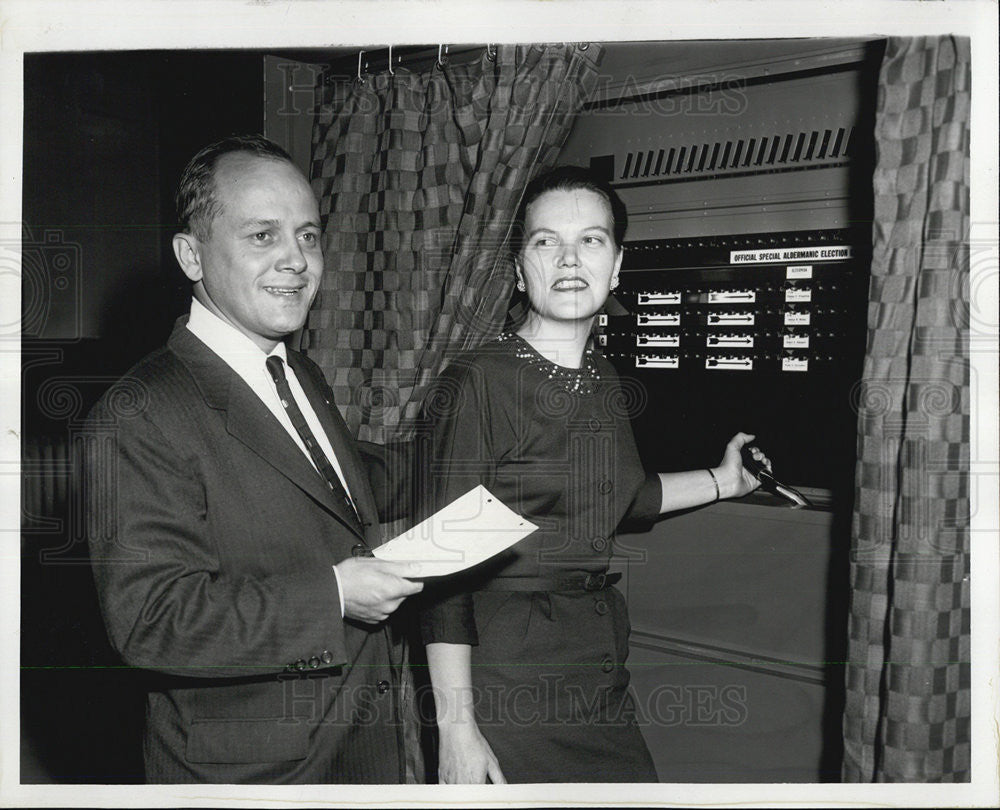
[
  {"x": 360, "y": 54},
  {"x": 442, "y": 56},
  {"x": 391, "y": 71}
]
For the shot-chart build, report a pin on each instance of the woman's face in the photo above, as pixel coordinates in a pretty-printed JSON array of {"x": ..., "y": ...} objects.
[{"x": 569, "y": 259}]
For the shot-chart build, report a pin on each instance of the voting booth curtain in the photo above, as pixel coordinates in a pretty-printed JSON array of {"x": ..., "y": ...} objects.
[
  {"x": 907, "y": 714},
  {"x": 419, "y": 175}
]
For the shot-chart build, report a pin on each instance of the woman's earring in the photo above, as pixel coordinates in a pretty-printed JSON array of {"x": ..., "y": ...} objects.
[
  {"x": 520, "y": 285},
  {"x": 614, "y": 282}
]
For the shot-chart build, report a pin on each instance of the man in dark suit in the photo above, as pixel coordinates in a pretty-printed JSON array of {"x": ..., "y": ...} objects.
[{"x": 230, "y": 516}]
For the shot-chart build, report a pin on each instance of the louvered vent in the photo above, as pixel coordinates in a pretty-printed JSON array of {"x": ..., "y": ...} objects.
[{"x": 742, "y": 156}]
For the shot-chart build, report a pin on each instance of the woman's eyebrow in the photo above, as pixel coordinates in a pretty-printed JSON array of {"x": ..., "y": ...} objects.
[{"x": 600, "y": 228}]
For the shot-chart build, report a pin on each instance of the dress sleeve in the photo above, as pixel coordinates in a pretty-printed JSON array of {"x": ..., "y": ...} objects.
[
  {"x": 645, "y": 507},
  {"x": 644, "y": 488},
  {"x": 457, "y": 454}
]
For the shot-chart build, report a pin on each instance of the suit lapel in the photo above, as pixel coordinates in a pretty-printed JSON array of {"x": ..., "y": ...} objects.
[{"x": 249, "y": 421}]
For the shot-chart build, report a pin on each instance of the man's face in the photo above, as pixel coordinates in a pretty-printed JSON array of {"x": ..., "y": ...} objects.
[{"x": 261, "y": 262}]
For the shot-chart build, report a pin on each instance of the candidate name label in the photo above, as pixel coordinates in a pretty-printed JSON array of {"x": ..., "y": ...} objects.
[{"x": 799, "y": 271}]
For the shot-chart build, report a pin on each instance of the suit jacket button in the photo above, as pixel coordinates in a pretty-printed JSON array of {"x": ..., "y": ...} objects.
[
  {"x": 314, "y": 662},
  {"x": 383, "y": 687},
  {"x": 300, "y": 664},
  {"x": 327, "y": 657},
  {"x": 607, "y": 664},
  {"x": 600, "y": 607},
  {"x": 599, "y": 544},
  {"x": 605, "y": 487}
]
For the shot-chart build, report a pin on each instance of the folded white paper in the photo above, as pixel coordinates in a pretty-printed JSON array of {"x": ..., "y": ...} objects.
[{"x": 470, "y": 529}]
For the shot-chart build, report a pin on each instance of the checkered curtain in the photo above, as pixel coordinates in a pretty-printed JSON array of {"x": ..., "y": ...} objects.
[
  {"x": 907, "y": 710},
  {"x": 418, "y": 176}
]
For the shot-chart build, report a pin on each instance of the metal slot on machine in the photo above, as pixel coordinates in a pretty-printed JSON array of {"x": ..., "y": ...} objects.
[
  {"x": 731, "y": 297},
  {"x": 657, "y": 298},
  {"x": 728, "y": 363},
  {"x": 729, "y": 341},
  {"x": 664, "y": 341},
  {"x": 668, "y": 319},
  {"x": 657, "y": 361},
  {"x": 730, "y": 319}
]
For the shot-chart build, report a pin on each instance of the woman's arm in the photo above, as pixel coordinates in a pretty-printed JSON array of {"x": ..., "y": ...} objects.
[
  {"x": 464, "y": 755},
  {"x": 683, "y": 490}
]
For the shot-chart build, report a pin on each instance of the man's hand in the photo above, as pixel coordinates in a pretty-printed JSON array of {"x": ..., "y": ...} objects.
[{"x": 373, "y": 589}]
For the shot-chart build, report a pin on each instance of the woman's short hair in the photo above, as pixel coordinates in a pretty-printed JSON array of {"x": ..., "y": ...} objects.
[
  {"x": 197, "y": 202},
  {"x": 569, "y": 178}
]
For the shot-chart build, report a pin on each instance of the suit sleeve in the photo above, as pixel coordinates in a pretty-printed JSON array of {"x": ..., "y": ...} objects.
[
  {"x": 168, "y": 603},
  {"x": 459, "y": 455}
]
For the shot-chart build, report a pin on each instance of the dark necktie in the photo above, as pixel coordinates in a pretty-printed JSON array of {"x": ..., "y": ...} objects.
[{"x": 277, "y": 369}]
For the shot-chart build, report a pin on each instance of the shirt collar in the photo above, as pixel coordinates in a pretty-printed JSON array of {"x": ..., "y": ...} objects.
[{"x": 242, "y": 355}]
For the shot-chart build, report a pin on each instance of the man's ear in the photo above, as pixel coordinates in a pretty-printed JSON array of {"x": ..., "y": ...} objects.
[{"x": 187, "y": 250}]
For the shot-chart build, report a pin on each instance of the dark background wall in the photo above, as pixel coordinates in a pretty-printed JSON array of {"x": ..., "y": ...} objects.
[{"x": 106, "y": 136}]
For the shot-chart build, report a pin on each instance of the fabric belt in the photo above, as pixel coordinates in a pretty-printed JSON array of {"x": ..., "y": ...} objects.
[{"x": 573, "y": 582}]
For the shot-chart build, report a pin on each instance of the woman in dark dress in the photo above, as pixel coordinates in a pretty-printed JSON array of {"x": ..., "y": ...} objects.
[{"x": 527, "y": 651}]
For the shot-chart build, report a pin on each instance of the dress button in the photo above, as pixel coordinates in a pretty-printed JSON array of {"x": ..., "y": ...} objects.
[
  {"x": 314, "y": 662},
  {"x": 605, "y": 487},
  {"x": 326, "y": 656},
  {"x": 600, "y": 607},
  {"x": 607, "y": 664},
  {"x": 383, "y": 687},
  {"x": 594, "y": 425},
  {"x": 300, "y": 664},
  {"x": 599, "y": 544}
]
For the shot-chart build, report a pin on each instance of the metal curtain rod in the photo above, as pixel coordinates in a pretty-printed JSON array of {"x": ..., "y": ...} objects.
[{"x": 370, "y": 60}]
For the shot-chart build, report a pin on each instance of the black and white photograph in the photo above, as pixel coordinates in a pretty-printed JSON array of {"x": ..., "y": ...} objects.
[{"x": 533, "y": 403}]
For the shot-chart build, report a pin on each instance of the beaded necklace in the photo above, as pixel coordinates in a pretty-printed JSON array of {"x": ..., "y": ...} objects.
[{"x": 581, "y": 380}]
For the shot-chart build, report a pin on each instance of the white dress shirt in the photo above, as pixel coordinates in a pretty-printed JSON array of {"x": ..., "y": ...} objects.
[{"x": 248, "y": 360}]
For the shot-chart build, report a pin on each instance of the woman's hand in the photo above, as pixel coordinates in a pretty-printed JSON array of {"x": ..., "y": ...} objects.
[
  {"x": 734, "y": 480},
  {"x": 465, "y": 758}
]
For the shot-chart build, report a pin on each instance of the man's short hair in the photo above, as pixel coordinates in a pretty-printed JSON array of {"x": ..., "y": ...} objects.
[{"x": 197, "y": 202}]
